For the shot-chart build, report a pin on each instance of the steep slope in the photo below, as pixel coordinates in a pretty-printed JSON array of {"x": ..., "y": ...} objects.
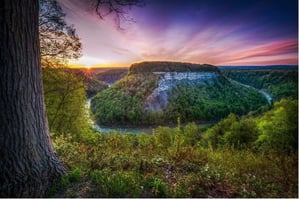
[
  {"x": 158, "y": 99},
  {"x": 279, "y": 83},
  {"x": 162, "y": 92},
  {"x": 150, "y": 67},
  {"x": 92, "y": 85},
  {"x": 112, "y": 75}
]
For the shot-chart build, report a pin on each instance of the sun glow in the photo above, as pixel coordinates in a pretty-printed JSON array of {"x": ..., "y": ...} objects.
[{"x": 87, "y": 62}]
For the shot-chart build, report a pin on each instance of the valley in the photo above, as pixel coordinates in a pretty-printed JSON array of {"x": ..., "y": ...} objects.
[
  {"x": 131, "y": 129},
  {"x": 211, "y": 133},
  {"x": 174, "y": 83},
  {"x": 152, "y": 94}
]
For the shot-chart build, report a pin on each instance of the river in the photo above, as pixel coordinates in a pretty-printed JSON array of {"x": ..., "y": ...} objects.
[
  {"x": 267, "y": 95},
  {"x": 262, "y": 91},
  {"x": 134, "y": 130},
  {"x": 106, "y": 129}
]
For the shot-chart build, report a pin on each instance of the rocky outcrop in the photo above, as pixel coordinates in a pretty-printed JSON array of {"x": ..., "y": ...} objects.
[{"x": 158, "y": 100}]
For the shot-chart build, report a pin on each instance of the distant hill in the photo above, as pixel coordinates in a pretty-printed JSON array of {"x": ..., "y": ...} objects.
[
  {"x": 162, "y": 92},
  {"x": 170, "y": 67},
  {"x": 92, "y": 85},
  {"x": 280, "y": 83},
  {"x": 111, "y": 75},
  {"x": 270, "y": 67}
]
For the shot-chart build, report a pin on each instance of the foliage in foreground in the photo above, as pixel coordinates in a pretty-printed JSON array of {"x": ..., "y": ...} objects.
[
  {"x": 65, "y": 100},
  {"x": 177, "y": 163},
  {"x": 276, "y": 130}
]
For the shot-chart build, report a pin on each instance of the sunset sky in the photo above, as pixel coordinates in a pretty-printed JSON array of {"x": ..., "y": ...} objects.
[{"x": 218, "y": 32}]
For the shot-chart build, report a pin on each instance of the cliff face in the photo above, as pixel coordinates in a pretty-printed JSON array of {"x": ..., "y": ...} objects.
[{"x": 158, "y": 100}]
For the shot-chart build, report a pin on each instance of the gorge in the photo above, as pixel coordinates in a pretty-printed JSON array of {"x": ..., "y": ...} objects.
[{"x": 155, "y": 93}]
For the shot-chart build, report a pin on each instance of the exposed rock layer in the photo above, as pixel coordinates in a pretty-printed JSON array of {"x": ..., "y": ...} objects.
[{"x": 158, "y": 100}]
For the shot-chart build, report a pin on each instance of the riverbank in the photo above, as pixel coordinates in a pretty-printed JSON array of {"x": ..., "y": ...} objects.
[
  {"x": 143, "y": 129},
  {"x": 136, "y": 129},
  {"x": 149, "y": 129}
]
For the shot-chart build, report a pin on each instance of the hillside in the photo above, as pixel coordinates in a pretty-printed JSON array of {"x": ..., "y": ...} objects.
[
  {"x": 165, "y": 91},
  {"x": 91, "y": 84},
  {"x": 110, "y": 75},
  {"x": 279, "y": 83}
]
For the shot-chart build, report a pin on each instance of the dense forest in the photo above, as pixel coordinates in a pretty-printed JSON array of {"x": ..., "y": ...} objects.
[
  {"x": 110, "y": 76},
  {"x": 280, "y": 83},
  {"x": 123, "y": 103},
  {"x": 158, "y": 66}
]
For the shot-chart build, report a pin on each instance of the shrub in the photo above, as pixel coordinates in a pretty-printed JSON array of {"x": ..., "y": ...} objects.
[
  {"x": 278, "y": 128},
  {"x": 117, "y": 184}
]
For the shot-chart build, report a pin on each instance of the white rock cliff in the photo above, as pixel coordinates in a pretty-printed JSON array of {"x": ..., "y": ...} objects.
[{"x": 158, "y": 100}]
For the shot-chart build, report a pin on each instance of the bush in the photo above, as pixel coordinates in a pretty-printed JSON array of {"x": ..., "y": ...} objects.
[
  {"x": 119, "y": 184},
  {"x": 278, "y": 128},
  {"x": 65, "y": 100}
]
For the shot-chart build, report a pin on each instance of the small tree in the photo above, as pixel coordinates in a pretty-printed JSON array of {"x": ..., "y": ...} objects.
[
  {"x": 64, "y": 90},
  {"x": 279, "y": 127}
]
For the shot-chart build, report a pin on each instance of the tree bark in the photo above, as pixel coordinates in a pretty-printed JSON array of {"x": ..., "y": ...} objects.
[{"x": 28, "y": 163}]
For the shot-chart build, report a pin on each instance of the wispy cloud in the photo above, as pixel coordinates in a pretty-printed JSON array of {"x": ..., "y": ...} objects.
[{"x": 231, "y": 33}]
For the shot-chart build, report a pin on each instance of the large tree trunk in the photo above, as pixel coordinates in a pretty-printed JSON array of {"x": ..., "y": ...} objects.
[{"x": 28, "y": 163}]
